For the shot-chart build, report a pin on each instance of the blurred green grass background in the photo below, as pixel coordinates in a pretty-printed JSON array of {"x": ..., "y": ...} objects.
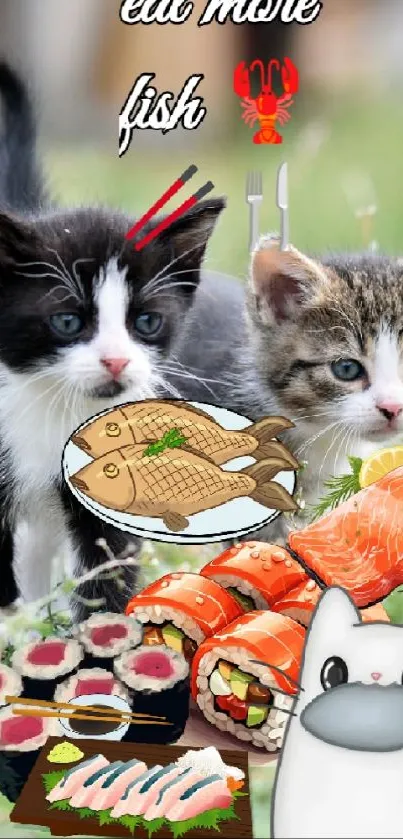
[{"x": 345, "y": 160}]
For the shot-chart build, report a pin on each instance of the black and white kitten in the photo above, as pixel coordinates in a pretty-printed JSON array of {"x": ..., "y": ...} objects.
[{"x": 86, "y": 323}]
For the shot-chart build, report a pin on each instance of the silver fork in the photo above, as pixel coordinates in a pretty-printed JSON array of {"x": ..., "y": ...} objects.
[{"x": 254, "y": 196}]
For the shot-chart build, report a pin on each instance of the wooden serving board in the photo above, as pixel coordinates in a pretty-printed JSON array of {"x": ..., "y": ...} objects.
[{"x": 33, "y": 809}]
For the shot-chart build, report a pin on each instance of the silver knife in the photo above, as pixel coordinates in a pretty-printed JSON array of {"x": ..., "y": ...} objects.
[{"x": 282, "y": 204}]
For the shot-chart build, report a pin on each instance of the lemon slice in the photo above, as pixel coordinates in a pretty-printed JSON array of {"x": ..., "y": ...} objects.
[{"x": 379, "y": 464}]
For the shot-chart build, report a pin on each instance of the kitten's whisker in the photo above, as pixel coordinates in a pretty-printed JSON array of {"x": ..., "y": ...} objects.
[
  {"x": 187, "y": 375},
  {"x": 200, "y": 244},
  {"x": 284, "y": 710},
  {"x": 37, "y": 398},
  {"x": 316, "y": 437},
  {"x": 42, "y": 264}
]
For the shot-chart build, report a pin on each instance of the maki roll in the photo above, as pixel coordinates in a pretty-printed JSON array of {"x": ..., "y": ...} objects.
[
  {"x": 44, "y": 664},
  {"x": 244, "y": 678},
  {"x": 300, "y": 604},
  {"x": 180, "y": 610},
  {"x": 21, "y": 739},
  {"x": 107, "y": 635},
  {"x": 255, "y": 573},
  {"x": 88, "y": 682},
  {"x": 157, "y": 679},
  {"x": 10, "y": 683}
]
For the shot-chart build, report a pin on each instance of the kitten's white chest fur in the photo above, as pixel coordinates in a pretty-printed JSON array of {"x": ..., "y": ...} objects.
[{"x": 340, "y": 773}]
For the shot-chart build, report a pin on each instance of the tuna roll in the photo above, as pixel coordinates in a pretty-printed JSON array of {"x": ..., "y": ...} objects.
[
  {"x": 157, "y": 679},
  {"x": 88, "y": 682},
  {"x": 236, "y": 692},
  {"x": 105, "y": 636},
  {"x": 255, "y": 573},
  {"x": 10, "y": 683},
  {"x": 181, "y": 610},
  {"x": 44, "y": 664},
  {"x": 21, "y": 739}
]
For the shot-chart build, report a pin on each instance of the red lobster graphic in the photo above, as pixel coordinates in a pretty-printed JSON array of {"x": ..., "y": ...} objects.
[{"x": 267, "y": 107}]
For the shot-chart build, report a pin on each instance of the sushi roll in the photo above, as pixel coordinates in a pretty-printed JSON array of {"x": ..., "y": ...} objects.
[
  {"x": 90, "y": 681},
  {"x": 240, "y": 696},
  {"x": 107, "y": 635},
  {"x": 255, "y": 573},
  {"x": 157, "y": 679},
  {"x": 21, "y": 739},
  {"x": 300, "y": 604},
  {"x": 180, "y": 610},
  {"x": 10, "y": 683},
  {"x": 45, "y": 663}
]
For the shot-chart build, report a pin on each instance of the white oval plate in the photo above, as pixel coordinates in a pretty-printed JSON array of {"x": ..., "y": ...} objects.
[{"x": 235, "y": 518}]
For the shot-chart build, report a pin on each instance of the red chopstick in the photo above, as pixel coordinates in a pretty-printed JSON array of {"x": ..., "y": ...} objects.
[
  {"x": 172, "y": 190},
  {"x": 166, "y": 222}
]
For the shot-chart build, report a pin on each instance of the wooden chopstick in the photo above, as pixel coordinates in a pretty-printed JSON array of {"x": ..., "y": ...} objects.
[
  {"x": 31, "y": 712},
  {"x": 43, "y": 703}
]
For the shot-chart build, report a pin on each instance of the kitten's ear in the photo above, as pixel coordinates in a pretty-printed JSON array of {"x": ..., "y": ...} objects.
[
  {"x": 188, "y": 236},
  {"x": 281, "y": 281},
  {"x": 18, "y": 240},
  {"x": 335, "y": 611}
]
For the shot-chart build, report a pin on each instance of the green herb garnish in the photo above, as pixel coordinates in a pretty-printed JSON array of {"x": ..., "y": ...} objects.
[
  {"x": 173, "y": 439},
  {"x": 341, "y": 488}
]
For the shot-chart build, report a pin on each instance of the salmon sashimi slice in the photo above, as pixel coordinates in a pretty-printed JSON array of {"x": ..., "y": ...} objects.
[
  {"x": 359, "y": 545},
  {"x": 75, "y": 777},
  {"x": 170, "y": 793},
  {"x": 263, "y": 572},
  {"x": 176, "y": 484},
  {"x": 123, "y": 806},
  {"x": 148, "y": 421},
  {"x": 86, "y": 793},
  {"x": 207, "y": 794},
  {"x": 116, "y": 783}
]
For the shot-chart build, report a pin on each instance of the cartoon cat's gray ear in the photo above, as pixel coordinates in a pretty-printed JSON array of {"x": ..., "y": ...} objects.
[
  {"x": 281, "y": 281},
  {"x": 335, "y": 611}
]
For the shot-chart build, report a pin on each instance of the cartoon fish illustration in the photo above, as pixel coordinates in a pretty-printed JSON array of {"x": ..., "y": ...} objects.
[
  {"x": 149, "y": 421},
  {"x": 176, "y": 483}
]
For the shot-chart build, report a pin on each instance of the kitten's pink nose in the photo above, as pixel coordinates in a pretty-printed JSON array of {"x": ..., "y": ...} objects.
[
  {"x": 376, "y": 676},
  {"x": 115, "y": 365},
  {"x": 390, "y": 409}
]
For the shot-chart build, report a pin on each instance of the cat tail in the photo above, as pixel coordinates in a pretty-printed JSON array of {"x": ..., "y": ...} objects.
[
  {"x": 267, "y": 492},
  {"x": 275, "y": 449},
  {"x": 269, "y": 427},
  {"x": 21, "y": 181}
]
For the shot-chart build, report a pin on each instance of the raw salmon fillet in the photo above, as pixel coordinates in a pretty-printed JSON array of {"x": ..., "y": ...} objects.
[{"x": 359, "y": 545}]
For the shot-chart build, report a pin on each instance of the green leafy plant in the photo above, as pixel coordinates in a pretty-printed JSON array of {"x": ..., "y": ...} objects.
[
  {"x": 173, "y": 439},
  {"x": 340, "y": 488},
  {"x": 210, "y": 820}
]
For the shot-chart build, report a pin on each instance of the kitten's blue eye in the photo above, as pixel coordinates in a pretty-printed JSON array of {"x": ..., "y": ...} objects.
[
  {"x": 148, "y": 324},
  {"x": 334, "y": 673},
  {"x": 347, "y": 369},
  {"x": 66, "y": 324}
]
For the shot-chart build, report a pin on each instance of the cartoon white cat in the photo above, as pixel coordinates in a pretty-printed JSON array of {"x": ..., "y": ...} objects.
[{"x": 340, "y": 773}]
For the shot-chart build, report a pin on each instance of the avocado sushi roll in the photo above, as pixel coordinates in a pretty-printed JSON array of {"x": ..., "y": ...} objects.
[
  {"x": 43, "y": 664},
  {"x": 105, "y": 636},
  {"x": 157, "y": 679}
]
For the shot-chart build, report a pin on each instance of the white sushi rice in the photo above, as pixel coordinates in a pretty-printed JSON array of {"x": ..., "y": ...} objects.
[
  {"x": 270, "y": 735},
  {"x": 50, "y": 729},
  {"x": 11, "y": 683},
  {"x": 138, "y": 681},
  {"x": 119, "y": 645},
  {"x": 232, "y": 581},
  {"x": 161, "y": 614},
  {"x": 74, "y": 653},
  {"x": 66, "y": 692}
]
